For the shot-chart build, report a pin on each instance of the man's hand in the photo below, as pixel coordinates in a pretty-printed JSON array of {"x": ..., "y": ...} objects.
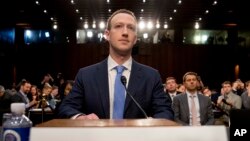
[
  {"x": 219, "y": 100},
  {"x": 90, "y": 116}
]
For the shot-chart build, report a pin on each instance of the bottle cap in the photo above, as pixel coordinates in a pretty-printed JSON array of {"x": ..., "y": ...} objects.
[{"x": 17, "y": 108}]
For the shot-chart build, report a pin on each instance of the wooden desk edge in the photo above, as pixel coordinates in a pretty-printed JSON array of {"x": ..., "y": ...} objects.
[{"x": 108, "y": 123}]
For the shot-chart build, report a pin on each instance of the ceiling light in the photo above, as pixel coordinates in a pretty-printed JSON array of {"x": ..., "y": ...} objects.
[
  {"x": 55, "y": 26},
  {"x": 145, "y": 35},
  {"x": 165, "y": 26},
  {"x": 28, "y": 33},
  {"x": 157, "y": 26},
  {"x": 196, "y": 26},
  {"x": 215, "y": 2},
  {"x": 141, "y": 25},
  {"x": 150, "y": 25},
  {"x": 47, "y": 34},
  {"x": 93, "y": 25},
  {"x": 102, "y": 25},
  {"x": 86, "y": 26},
  {"x": 89, "y": 34},
  {"x": 37, "y": 2}
]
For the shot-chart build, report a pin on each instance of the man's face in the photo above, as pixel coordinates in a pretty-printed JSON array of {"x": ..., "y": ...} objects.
[
  {"x": 207, "y": 92},
  {"x": 171, "y": 85},
  {"x": 26, "y": 88},
  {"x": 227, "y": 88},
  {"x": 191, "y": 82},
  {"x": 248, "y": 87},
  {"x": 123, "y": 34}
]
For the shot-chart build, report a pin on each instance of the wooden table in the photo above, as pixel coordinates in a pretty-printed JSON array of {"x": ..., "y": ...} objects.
[{"x": 108, "y": 123}]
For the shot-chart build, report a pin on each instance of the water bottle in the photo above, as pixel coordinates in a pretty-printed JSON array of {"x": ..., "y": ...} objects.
[
  {"x": 17, "y": 128},
  {"x": 4, "y": 118}
]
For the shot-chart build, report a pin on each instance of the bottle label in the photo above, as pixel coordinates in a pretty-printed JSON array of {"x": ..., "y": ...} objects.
[{"x": 16, "y": 134}]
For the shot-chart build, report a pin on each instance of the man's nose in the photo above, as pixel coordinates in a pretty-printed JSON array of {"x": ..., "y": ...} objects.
[{"x": 125, "y": 31}]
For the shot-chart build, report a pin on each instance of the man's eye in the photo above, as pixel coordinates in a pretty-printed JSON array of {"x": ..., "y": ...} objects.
[
  {"x": 132, "y": 28},
  {"x": 118, "y": 26}
]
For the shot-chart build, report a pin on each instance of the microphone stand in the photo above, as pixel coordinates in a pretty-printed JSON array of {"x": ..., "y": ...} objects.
[
  {"x": 43, "y": 104},
  {"x": 124, "y": 81}
]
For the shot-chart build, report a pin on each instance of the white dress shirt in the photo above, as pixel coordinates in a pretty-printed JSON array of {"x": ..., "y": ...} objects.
[{"x": 172, "y": 95}]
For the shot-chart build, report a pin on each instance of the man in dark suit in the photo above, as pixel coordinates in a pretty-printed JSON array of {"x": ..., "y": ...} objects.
[
  {"x": 245, "y": 97},
  {"x": 171, "y": 87},
  {"x": 93, "y": 94},
  {"x": 192, "y": 108},
  {"x": 5, "y": 100},
  {"x": 21, "y": 95}
]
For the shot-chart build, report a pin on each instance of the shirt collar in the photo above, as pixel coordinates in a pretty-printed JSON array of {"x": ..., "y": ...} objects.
[
  {"x": 112, "y": 64},
  {"x": 174, "y": 93},
  {"x": 189, "y": 94},
  {"x": 22, "y": 93}
]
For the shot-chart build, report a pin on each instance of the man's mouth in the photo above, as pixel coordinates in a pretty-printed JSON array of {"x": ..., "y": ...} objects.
[{"x": 123, "y": 40}]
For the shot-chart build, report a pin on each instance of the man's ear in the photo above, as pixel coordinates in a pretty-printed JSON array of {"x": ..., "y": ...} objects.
[{"x": 106, "y": 33}]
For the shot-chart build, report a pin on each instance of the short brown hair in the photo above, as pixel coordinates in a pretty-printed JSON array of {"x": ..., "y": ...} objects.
[
  {"x": 170, "y": 78},
  {"x": 204, "y": 88},
  {"x": 189, "y": 73},
  {"x": 226, "y": 82},
  {"x": 117, "y": 12}
]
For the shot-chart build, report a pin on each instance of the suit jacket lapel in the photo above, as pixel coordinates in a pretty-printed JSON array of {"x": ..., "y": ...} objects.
[
  {"x": 185, "y": 103},
  {"x": 201, "y": 106},
  {"x": 22, "y": 97},
  {"x": 103, "y": 86},
  {"x": 134, "y": 81}
]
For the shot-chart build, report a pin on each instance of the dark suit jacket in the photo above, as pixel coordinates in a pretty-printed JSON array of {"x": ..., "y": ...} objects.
[
  {"x": 18, "y": 97},
  {"x": 5, "y": 101},
  {"x": 90, "y": 93},
  {"x": 181, "y": 109}
]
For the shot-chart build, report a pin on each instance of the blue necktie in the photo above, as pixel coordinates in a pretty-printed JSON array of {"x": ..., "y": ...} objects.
[{"x": 119, "y": 95}]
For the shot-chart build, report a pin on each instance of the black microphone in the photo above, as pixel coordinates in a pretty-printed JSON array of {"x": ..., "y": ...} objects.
[{"x": 124, "y": 82}]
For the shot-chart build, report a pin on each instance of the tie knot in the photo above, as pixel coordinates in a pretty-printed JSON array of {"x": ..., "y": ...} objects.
[{"x": 120, "y": 69}]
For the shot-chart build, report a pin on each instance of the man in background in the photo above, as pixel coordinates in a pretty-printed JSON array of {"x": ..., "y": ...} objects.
[
  {"x": 5, "y": 100},
  {"x": 192, "y": 108},
  {"x": 171, "y": 87}
]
